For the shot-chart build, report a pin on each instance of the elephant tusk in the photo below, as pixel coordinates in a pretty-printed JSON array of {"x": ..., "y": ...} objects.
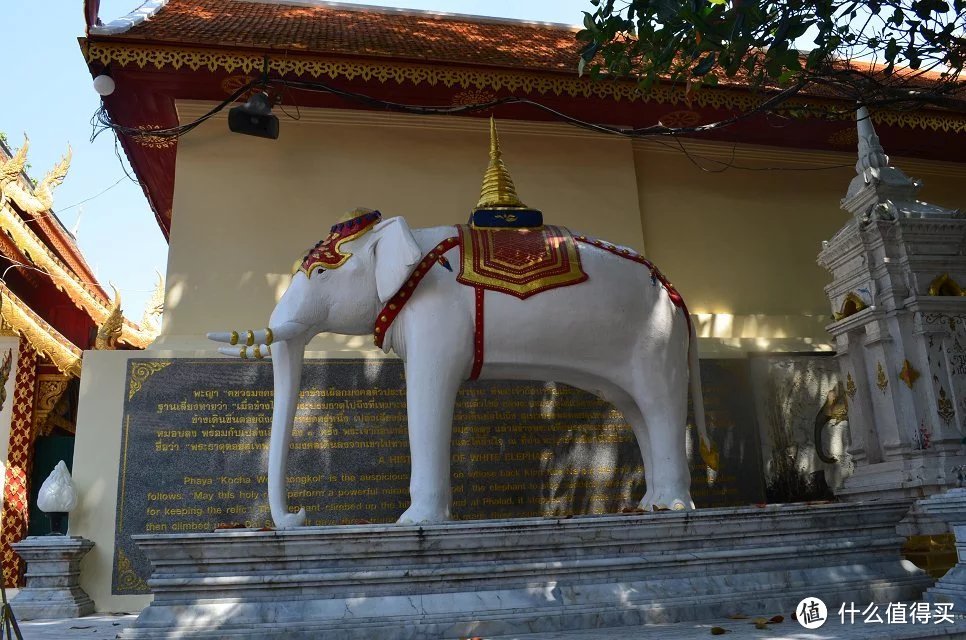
[
  {"x": 264, "y": 337},
  {"x": 257, "y": 352}
]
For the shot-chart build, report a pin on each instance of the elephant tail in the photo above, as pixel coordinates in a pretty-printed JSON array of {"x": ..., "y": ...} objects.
[{"x": 709, "y": 453}]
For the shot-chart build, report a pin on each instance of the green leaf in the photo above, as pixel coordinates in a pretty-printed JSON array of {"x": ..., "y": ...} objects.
[{"x": 704, "y": 65}]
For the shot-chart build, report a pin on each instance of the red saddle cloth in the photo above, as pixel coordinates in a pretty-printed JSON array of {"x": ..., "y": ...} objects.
[{"x": 520, "y": 262}]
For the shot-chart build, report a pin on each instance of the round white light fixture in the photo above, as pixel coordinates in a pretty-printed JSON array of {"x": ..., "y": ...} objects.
[{"x": 104, "y": 85}]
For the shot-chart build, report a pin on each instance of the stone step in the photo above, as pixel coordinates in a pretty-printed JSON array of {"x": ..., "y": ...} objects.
[
  {"x": 487, "y": 578},
  {"x": 745, "y": 630}
]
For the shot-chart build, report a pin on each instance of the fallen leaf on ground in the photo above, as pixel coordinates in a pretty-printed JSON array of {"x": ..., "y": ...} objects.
[
  {"x": 737, "y": 616},
  {"x": 718, "y": 631},
  {"x": 777, "y": 619}
]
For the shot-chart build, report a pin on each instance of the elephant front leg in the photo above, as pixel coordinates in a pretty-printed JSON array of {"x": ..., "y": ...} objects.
[{"x": 430, "y": 396}]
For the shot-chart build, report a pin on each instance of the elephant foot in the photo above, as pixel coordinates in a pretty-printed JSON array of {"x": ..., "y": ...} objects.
[
  {"x": 290, "y": 520},
  {"x": 667, "y": 501},
  {"x": 417, "y": 514}
]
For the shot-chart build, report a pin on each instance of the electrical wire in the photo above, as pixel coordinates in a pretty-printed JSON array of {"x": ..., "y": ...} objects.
[
  {"x": 96, "y": 195},
  {"x": 101, "y": 121}
]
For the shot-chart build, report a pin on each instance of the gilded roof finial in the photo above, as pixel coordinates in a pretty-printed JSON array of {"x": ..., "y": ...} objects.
[{"x": 498, "y": 189}]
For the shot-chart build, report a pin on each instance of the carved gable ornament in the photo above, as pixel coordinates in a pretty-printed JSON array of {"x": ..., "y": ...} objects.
[
  {"x": 944, "y": 285},
  {"x": 851, "y": 305}
]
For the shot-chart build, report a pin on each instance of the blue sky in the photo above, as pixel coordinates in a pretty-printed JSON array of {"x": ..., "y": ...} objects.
[{"x": 49, "y": 97}]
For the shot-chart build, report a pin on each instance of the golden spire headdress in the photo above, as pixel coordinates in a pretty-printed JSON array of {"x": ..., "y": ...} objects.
[
  {"x": 498, "y": 193},
  {"x": 498, "y": 189}
]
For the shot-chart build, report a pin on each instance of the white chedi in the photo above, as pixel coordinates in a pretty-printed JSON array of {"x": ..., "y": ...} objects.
[{"x": 58, "y": 493}]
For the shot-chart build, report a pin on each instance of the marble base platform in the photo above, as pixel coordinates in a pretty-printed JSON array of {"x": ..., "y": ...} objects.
[
  {"x": 53, "y": 571},
  {"x": 502, "y": 577},
  {"x": 950, "y": 507}
]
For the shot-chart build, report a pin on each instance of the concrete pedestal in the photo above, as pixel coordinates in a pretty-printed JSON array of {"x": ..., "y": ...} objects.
[
  {"x": 499, "y": 577},
  {"x": 53, "y": 570},
  {"x": 950, "y": 507}
]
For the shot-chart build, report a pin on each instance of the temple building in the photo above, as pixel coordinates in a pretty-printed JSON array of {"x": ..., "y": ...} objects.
[
  {"x": 52, "y": 309},
  {"x": 734, "y": 218}
]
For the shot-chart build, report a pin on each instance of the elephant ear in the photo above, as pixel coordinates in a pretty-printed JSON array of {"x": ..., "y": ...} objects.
[{"x": 396, "y": 254}]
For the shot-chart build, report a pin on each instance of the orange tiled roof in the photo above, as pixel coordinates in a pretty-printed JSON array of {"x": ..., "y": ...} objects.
[{"x": 365, "y": 32}]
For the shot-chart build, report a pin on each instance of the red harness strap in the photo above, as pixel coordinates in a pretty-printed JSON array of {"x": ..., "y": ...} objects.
[
  {"x": 478, "y": 334},
  {"x": 395, "y": 304},
  {"x": 656, "y": 274}
]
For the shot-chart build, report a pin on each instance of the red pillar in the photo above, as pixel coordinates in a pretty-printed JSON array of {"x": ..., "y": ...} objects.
[{"x": 13, "y": 519}]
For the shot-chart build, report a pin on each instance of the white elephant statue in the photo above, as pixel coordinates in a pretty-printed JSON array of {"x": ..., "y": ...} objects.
[{"x": 620, "y": 334}]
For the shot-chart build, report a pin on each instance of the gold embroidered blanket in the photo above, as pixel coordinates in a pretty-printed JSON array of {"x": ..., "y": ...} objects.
[{"x": 520, "y": 262}]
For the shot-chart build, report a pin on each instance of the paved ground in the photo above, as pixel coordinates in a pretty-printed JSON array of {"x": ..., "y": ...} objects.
[
  {"x": 105, "y": 627},
  {"x": 97, "y": 627}
]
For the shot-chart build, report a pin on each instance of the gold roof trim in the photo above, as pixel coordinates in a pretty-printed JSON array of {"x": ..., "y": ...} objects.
[
  {"x": 498, "y": 189},
  {"x": 530, "y": 82},
  {"x": 64, "y": 279},
  {"x": 42, "y": 337}
]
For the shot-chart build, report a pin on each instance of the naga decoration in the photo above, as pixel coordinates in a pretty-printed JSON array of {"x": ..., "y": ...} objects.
[
  {"x": 39, "y": 198},
  {"x": 12, "y": 169},
  {"x": 110, "y": 331},
  {"x": 43, "y": 192},
  {"x": 154, "y": 309}
]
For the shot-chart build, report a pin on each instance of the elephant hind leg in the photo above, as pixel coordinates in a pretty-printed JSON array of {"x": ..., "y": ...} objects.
[
  {"x": 632, "y": 414},
  {"x": 663, "y": 403}
]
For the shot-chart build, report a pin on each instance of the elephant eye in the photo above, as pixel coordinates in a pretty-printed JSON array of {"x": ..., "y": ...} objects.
[{"x": 320, "y": 271}]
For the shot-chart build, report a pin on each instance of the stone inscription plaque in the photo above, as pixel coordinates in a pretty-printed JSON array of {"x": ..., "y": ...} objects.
[{"x": 195, "y": 440}]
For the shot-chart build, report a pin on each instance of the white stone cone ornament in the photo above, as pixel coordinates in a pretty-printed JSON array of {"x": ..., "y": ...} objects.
[{"x": 58, "y": 493}]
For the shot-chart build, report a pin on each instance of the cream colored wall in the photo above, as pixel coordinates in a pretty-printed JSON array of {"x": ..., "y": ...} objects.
[
  {"x": 97, "y": 459},
  {"x": 740, "y": 244},
  {"x": 246, "y": 208}
]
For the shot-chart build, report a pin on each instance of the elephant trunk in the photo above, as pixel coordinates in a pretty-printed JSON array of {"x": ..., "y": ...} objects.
[{"x": 287, "y": 356}]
